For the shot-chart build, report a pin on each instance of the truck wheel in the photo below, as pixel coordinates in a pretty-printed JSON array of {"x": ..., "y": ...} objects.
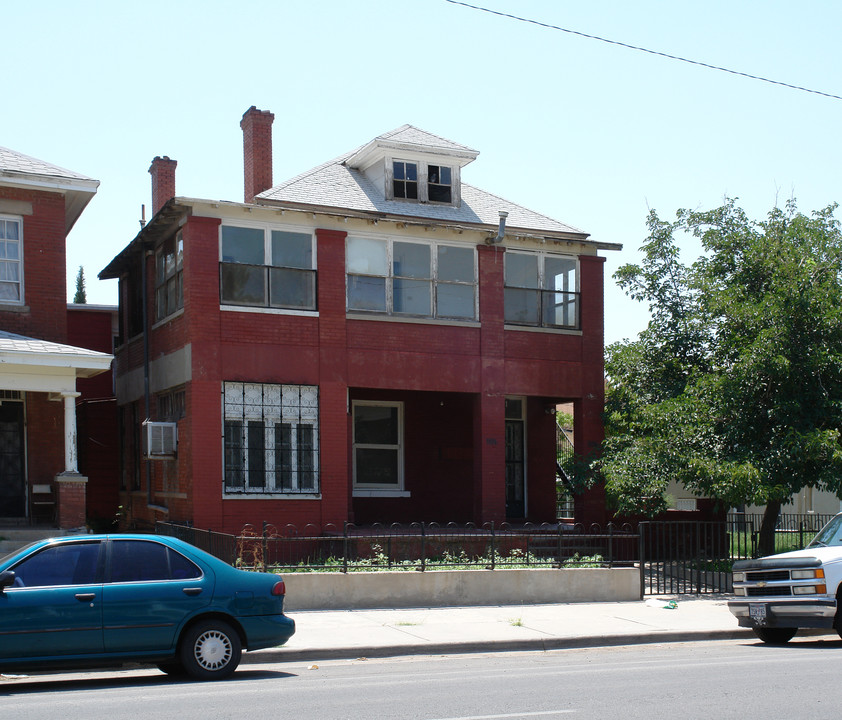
[
  {"x": 776, "y": 635},
  {"x": 210, "y": 650}
]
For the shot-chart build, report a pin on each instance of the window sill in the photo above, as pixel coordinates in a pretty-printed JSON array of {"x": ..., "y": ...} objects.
[
  {"x": 271, "y": 496},
  {"x": 13, "y": 307},
  {"x": 167, "y": 318},
  {"x": 356, "y": 315},
  {"x": 540, "y": 329},
  {"x": 381, "y": 493},
  {"x": 268, "y": 311}
]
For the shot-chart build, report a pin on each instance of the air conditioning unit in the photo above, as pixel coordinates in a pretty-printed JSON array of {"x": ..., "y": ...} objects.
[{"x": 160, "y": 440}]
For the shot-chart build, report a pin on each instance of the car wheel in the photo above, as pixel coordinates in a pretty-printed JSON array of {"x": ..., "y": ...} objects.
[
  {"x": 172, "y": 668},
  {"x": 776, "y": 635},
  {"x": 210, "y": 650}
]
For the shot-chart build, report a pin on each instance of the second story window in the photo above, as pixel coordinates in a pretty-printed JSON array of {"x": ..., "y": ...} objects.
[
  {"x": 411, "y": 278},
  {"x": 439, "y": 184},
  {"x": 541, "y": 290},
  {"x": 406, "y": 180},
  {"x": 11, "y": 259},
  {"x": 169, "y": 277},
  {"x": 267, "y": 267}
]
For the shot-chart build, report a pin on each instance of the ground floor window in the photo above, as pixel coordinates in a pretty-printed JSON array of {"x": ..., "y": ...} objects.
[
  {"x": 271, "y": 438},
  {"x": 378, "y": 446}
]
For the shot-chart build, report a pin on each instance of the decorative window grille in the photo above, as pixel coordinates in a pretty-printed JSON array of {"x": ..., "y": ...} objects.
[{"x": 271, "y": 438}]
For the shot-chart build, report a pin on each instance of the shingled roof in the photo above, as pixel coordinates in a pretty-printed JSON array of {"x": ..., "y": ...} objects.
[
  {"x": 19, "y": 170},
  {"x": 339, "y": 185}
]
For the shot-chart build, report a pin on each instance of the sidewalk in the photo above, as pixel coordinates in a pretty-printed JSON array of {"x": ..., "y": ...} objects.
[{"x": 348, "y": 634}]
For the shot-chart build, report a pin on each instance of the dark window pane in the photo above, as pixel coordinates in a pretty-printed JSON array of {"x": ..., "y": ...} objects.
[
  {"x": 243, "y": 284},
  {"x": 521, "y": 270},
  {"x": 181, "y": 568},
  {"x": 292, "y": 288},
  {"x": 283, "y": 456},
  {"x": 366, "y": 293},
  {"x": 74, "y": 564},
  {"x": 411, "y": 260},
  {"x": 455, "y": 301},
  {"x": 411, "y": 296},
  {"x": 138, "y": 561},
  {"x": 234, "y": 470},
  {"x": 291, "y": 249},
  {"x": 377, "y": 467},
  {"x": 256, "y": 454},
  {"x": 306, "y": 457},
  {"x": 243, "y": 245},
  {"x": 439, "y": 193},
  {"x": 522, "y": 306},
  {"x": 412, "y": 191},
  {"x": 456, "y": 264},
  {"x": 412, "y": 172},
  {"x": 375, "y": 425}
]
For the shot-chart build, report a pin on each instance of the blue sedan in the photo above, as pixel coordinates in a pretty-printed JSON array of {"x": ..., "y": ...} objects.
[{"x": 93, "y": 600}]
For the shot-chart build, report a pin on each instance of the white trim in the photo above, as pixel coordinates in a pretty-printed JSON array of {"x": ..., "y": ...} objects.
[
  {"x": 270, "y": 496},
  {"x": 379, "y": 490},
  {"x": 382, "y": 493},
  {"x": 268, "y": 311},
  {"x": 21, "y": 288}
]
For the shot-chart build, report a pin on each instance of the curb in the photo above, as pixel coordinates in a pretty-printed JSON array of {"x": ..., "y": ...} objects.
[{"x": 279, "y": 655}]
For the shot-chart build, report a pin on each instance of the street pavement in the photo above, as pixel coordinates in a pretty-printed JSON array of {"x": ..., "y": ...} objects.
[{"x": 348, "y": 634}]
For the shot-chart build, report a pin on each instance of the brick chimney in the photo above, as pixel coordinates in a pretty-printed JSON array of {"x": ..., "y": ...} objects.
[
  {"x": 162, "y": 171},
  {"x": 257, "y": 151}
]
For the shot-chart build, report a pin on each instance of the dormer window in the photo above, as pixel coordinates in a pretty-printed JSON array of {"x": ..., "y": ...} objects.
[
  {"x": 422, "y": 182},
  {"x": 439, "y": 183},
  {"x": 406, "y": 180}
]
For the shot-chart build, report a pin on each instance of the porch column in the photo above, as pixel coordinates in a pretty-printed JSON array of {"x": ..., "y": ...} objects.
[
  {"x": 71, "y": 464},
  {"x": 70, "y": 485}
]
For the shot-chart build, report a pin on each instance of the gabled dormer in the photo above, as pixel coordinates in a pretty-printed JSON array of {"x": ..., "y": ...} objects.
[{"x": 414, "y": 166}]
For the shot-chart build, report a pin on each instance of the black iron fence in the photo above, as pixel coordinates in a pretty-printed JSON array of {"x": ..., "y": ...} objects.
[
  {"x": 416, "y": 546},
  {"x": 674, "y": 557}
]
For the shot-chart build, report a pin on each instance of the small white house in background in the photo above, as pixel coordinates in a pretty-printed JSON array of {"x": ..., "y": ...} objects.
[{"x": 808, "y": 501}]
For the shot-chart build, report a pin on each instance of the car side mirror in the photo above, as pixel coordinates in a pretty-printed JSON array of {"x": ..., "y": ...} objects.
[{"x": 7, "y": 578}]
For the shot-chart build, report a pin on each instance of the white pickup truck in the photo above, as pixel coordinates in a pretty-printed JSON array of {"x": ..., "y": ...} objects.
[{"x": 778, "y": 594}]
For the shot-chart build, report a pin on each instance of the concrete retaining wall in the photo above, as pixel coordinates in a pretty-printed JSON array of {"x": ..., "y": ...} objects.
[{"x": 442, "y": 588}]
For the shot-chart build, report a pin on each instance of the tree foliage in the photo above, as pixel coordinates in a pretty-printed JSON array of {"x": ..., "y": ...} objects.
[
  {"x": 734, "y": 389},
  {"x": 80, "y": 297}
]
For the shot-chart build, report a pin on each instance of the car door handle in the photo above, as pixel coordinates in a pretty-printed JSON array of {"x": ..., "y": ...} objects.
[
  {"x": 192, "y": 591},
  {"x": 85, "y": 597}
]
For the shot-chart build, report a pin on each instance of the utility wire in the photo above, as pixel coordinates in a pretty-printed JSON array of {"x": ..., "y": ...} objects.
[{"x": 642, "y": 49}]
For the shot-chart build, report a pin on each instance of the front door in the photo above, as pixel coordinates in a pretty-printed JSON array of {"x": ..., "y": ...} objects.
[
  {"x": 515, "y": 459},
  {"x": 12, "y": 470}
]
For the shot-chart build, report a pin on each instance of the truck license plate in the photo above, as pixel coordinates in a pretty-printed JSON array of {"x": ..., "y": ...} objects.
[{"x": 757, "y": 611}]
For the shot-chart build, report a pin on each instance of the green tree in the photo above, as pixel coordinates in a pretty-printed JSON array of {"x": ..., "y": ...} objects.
[
  {"x": 80, "y": 297},
  {"x": 735, "y": 387}
]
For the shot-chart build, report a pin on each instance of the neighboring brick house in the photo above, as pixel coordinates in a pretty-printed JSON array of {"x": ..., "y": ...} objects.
[
  {"x": 39, "y": 204},
  {"x": 372, "y": 341}
]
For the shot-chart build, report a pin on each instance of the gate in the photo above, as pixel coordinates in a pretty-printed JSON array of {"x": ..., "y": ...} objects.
[{"x": 685, "y": 557}]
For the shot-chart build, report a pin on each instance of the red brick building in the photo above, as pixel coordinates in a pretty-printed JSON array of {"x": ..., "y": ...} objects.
[
  {"x": 39, "y": 369},
  {"x": 373, "y": 340}
]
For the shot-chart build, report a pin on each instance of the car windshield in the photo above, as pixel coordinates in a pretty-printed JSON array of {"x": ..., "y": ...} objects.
[{"x": 830, "y": 534}]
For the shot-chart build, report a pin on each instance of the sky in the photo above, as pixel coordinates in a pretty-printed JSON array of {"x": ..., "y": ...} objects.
[{"x": 590, "y": 133}]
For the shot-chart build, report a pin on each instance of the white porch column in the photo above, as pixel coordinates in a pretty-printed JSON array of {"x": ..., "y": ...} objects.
[{"x": 71, "y": 464}]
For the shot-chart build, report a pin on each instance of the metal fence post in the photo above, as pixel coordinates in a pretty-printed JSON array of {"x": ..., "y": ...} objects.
[
  {"x": 641, "y": 554},
  {"x": 493, "y": 546},
  {"x": 423, "y": 548},
  {"x": 345, "y": 547},
  {"x": 265, "y": 547},
  {"x": 610, "y": 544}
]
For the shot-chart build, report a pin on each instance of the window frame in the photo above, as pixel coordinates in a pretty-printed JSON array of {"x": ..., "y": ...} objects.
[
  {"x": 17, "y": 262},
  {"x": 544, "y": 294},
  {"x": 379, "y": 489},
  {"x": 267, "y": 266},
  {"x": 169, "y": 281},
  {"x": 434, "y": 279},
  {"x": 422, "y": 181},
  {"x": 254, "y": 466}
]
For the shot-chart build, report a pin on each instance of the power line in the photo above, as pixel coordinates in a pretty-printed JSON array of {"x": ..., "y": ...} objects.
[{"x": 642, "y": 49}]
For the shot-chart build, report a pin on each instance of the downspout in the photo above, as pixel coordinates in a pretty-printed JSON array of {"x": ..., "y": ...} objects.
[
  {"x": 501, "y": 230},
  {"x": 144, "y": 297}
]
